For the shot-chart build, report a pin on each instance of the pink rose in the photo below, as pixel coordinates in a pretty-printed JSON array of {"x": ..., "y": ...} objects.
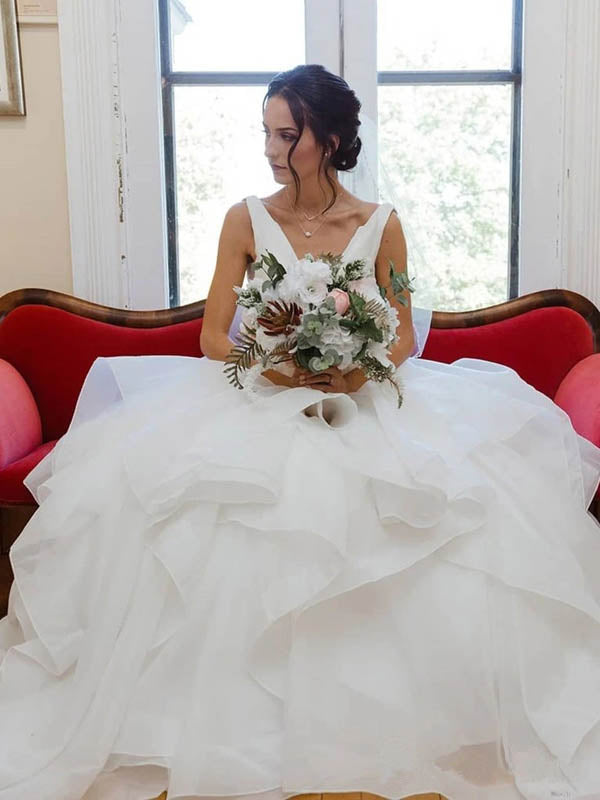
[{"x": 342, "y": 301}]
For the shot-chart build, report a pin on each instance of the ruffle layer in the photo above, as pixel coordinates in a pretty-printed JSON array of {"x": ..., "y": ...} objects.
[{"x": 300, "y": 592}]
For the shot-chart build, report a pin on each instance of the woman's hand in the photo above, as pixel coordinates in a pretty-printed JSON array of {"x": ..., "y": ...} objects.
[
  {"x": 329, "y": 380},
  {"x": 298, "y": 376},
  {"x": 283, "y": 379}
]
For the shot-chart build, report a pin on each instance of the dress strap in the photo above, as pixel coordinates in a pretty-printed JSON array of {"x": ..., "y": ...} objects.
[
  {"x": 267, "y": 234},
  {"x": 386, "y": 210},
  {"x": 367, "y": 243}
]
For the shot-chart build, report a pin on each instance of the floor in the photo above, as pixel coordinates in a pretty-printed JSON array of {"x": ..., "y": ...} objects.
[{"x": 346, "y": 796}]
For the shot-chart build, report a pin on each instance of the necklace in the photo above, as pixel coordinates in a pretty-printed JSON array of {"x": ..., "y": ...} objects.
[
  {"x": 308, "y": 234},
  {"x": 307, "y": 216}
]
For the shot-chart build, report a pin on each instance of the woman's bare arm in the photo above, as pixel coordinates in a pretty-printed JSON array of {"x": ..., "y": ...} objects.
[
  {"x": 392, "y": 247},
  {"x": 232, "y": 261}
]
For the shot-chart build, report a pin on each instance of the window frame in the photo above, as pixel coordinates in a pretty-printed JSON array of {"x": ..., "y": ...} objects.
[
  {"x": 320, "y": 16},
  {"x": 512, "y": 77},
  {"x": 354, "y": 19}
]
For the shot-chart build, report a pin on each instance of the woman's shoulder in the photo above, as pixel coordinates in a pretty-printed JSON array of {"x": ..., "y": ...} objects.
[
  {"x": 237, "y": 225},
  {"x": 237, "y": 218}
]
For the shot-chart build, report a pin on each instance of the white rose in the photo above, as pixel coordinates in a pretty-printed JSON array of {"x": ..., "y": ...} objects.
[
  {"x": 313, "y": 292},
  {"x": 313, "y": 278},
  {"x": 314, "y": 270},
  {"x": 288, "y": 288}
]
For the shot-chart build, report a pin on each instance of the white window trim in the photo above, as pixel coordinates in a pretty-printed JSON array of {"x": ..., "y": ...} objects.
[
  {"x": 580, "y": 206},
  {"x": 542, "y": 148},
  {"x": 114, "y": 151},
  {"x": 113, "y": 129}
]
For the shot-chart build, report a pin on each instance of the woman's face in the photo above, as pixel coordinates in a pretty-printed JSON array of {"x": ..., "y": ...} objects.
[{"x": 280, "y": 134}]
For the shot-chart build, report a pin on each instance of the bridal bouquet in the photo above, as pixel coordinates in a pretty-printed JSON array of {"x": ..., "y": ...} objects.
[{"x": 316, "y": 313}]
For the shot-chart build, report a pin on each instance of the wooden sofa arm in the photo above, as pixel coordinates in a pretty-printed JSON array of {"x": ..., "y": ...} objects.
[
  {"x": 579, "y": 395},
  {"x": 20, "y": 422}
]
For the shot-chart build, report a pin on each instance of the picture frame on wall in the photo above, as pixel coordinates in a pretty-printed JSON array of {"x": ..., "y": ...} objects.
[
  {"x": 12, "y": 102},
  {"x": 37, "y": 12}
]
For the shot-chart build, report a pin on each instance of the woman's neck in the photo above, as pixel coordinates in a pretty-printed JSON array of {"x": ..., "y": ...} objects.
[{"x": 315, "y": 196}]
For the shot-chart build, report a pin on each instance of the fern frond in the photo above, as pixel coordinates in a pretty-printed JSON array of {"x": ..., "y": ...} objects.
[
  {"x": 281, "y": 352},
  {"x": 283, "y": 347},
  {"x": 246, "y": 335},
  {"x": 242, "y": 355},
  {"x": 378, "y": 311}
]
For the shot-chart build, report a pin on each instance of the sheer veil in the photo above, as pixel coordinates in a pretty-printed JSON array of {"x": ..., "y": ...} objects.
[{"x": 370, "y": 181}]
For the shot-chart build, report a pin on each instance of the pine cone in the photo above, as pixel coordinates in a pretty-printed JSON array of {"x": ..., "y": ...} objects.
[{"x": 280, "y": 318}]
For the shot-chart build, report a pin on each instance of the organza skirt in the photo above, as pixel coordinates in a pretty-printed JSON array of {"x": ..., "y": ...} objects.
[{"x": 236, "y": 595}]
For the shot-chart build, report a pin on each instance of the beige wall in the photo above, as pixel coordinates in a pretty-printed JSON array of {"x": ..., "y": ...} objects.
[{"x": 34, "y": 218}]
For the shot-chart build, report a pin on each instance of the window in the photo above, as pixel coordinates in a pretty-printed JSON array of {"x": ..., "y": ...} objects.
[
  {"x": 449, "y": 110},
  {"x": 447, "y": 88},
  {"x": 212, "y": 119}
]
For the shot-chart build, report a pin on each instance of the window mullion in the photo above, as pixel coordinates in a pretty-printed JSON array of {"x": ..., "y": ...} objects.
[{"x": 323, "y": 33}]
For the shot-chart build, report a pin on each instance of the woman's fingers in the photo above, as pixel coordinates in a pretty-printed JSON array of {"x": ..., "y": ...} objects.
[
  {"x": 327, "y": 380},
  {"x": 316, "y": 378}
]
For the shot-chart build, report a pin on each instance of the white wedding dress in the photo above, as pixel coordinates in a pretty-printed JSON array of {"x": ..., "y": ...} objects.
[{"x": 225, "y": 595}]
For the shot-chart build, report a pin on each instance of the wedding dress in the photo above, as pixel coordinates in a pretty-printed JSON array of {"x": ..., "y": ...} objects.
[{"x": 261, "y": 595}]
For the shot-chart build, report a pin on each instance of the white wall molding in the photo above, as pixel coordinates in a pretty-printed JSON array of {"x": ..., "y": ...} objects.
[
  {"x": 560, "y": 183},
  {"x": 580, "y": 211},
  {"x": 113, "y": 134},
  {"x": 86, "y": 31},
  {"x": 544, "y": 60}
]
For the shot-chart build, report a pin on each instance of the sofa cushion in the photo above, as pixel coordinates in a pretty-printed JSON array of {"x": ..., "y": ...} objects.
[
  {"x": 540, "y": 345},
  {"x": 53, "y": 350},
  {"x": 20, "y": 423},
  {"x": 12, "y": 489},
  {"x": 579, "y": 396}
]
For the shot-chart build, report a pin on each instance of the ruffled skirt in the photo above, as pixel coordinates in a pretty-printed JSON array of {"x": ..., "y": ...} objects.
[{"x": 239, "y": 595}]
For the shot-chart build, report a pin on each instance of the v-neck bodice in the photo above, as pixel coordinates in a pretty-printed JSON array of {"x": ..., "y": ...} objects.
[{"x": 269, "y": 235}]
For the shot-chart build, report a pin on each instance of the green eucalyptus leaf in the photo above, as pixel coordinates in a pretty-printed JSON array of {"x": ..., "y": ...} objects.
[{"x": 370, "y": 330}]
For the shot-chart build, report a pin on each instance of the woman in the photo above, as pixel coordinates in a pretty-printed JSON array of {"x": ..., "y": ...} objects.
[{"x": 305, "y": 589}]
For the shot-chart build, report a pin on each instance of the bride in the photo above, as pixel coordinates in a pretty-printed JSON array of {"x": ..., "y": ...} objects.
[{"x": 303, "y": 588}]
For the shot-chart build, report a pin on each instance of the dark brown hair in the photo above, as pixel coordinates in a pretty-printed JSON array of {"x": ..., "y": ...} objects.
[{"x": 323, "y": 101}]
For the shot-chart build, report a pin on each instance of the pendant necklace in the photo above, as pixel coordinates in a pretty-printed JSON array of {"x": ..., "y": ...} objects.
[
  {"x": 308, "y": 234},
  {"x": 308, "y": 216}
]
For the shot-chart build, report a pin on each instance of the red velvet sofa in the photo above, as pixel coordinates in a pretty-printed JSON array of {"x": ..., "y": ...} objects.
[{"x": 49, "y": 340}]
